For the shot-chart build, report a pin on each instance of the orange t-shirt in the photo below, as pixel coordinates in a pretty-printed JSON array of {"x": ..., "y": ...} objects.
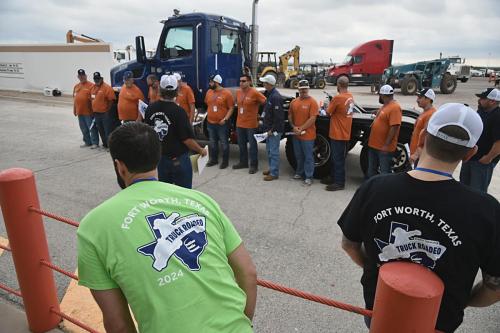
[
  {"x": 185, "y": 98},
  {"x": 82, "y": 99},
  {"x": 153, "y": 95},
  {"x": 248, "y": 107},
  {"x": 128, "y": 100},
  {"x": 387, "y": 116},
  {"x": 219, "y": 102},
  {"x": 102, "y": 97},
  {"x": 420, "y": 125},
  {"x": 301, "y": 109},
  {"x": 340, "y": 110}
]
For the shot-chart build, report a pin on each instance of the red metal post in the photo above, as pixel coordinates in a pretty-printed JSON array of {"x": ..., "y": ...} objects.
[
  {"x": 29, "y": 245},
  {"x": 407, "y": 299}
]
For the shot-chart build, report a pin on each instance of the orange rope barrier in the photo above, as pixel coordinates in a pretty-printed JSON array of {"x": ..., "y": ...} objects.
[
  {"x": 12, "y": 291},
  {"x": 60, "y": 270},
  {"x": 55, "y": 217},
  {"x": 314, "y": 298},
  {"x": 74, "y": 321}
]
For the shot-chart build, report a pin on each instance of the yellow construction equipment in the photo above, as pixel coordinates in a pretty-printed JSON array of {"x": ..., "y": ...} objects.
[
  {"x": 282, "y": 71},
  {"x": 71, "y": 37}
]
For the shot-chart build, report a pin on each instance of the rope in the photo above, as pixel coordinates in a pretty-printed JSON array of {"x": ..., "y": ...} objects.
[
  {"x": 55, "y": 217},
  {"x": 314, "y": 298},
  {"x": 59, "y": 269},
  {"x": 74, "y": 321},
  {"x": 5, "y": 247},
  {"x": 12, "y": 291}
]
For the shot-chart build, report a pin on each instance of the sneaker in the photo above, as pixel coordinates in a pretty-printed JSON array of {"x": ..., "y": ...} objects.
[
  {"x": 297, "y": 177},
  {"x": 268, "y": 178},
  {"x": 334, "y": 187},
  {"x": 327, "y": 180},
  {"x": 240, "y": 166},
  {"x": 252, "y": 170},
  {"x": 266, "y": 172},
  {"x": 84, "y": 145},
  {"x": 307, "y": 182},
  {"x": 94, "y": 147},
  {"x": 223, "y": 165},
  {"x": 211, "y": 163}
]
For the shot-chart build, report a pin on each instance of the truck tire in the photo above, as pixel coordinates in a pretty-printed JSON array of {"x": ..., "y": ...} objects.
[
  {"x": 448, "y": 84},
  {"x": 464, "y": 79},
  {"x": 321, "y": 84},
  {"x": 409, "y": 86},
  {"x": 400, "y": 161},
  {"x": 321, "y": 152},
  {"x": 294, "y": 83}
]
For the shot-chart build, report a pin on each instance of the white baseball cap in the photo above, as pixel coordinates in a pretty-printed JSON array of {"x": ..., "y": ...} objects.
[
  {"x": 490, "y": 93},
  {"x": 427, "y": 92},
  {"x": 268, "y": 79},
  {"x": 217, "y": 78},
  {"x": 168, "y": 82},
  {"x": 178, "y": 76},
  {"x": 386, "y": 90},
  {"x": 458, "y": 115}
]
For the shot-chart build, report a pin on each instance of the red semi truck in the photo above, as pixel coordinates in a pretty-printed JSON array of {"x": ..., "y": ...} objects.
[{"x": 365, "y": 63}]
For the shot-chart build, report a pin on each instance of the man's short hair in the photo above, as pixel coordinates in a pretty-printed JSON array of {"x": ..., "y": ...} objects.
[
  {"x": 445, "y": 151},
  {"x": 136, "y": 145},
  {"x": 247, "y": 76},
  {"x": 168, "y": 93},
  {"x": 152, "y": 77},
  {"x": 343, "y": 82}
]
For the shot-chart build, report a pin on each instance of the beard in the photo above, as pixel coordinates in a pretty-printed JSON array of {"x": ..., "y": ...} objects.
[
  {"x": 380, "y": 100},
  {"x": 119, "y": 179}
]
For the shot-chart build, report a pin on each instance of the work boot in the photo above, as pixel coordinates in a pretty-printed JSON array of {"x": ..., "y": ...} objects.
[
  {"x": 266, "y": 172},
  {"x": 94, "y": 147},
  {"x": 334, "y": 187},
  {"x": 211, "y": 163},
  {"x": 268, "y": 178},
  {"x": 223, "y": 165},
  {"x": 252, "y": 170},
  {"x": 240, "y": 166},
  {"x": 307, "y": 182}
]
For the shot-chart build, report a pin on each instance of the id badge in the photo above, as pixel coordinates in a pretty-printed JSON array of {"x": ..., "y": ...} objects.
[
  {"x": 215, "y": 108},
  {"x": 241, "y": 110},
  {"x": 92, "y": 96}
]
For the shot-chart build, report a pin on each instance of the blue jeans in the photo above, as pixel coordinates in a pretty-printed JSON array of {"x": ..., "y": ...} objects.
[
  {"x": 273, "y": 154},
  {"x": 477, "y": 175},
  {"x": 218, "y": 133},
  {"x": 103, "y": 124},
  {"x": 303, "y": 150},
  {"x": 245, "y": 135},
  {"x": 376, "y": 159},
  {"x": 89, "y": 130},
  {"x": 177, "y": 171},
  {"x": 338, "y": 148}
]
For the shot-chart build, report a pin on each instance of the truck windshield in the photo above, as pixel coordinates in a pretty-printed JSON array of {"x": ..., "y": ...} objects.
[
  {"x": 179, "y": 42},
  {"x": 347, "y": 59}
]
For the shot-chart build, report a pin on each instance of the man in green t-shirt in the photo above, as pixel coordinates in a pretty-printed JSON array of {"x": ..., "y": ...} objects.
[{"x": 168, "y": 252}]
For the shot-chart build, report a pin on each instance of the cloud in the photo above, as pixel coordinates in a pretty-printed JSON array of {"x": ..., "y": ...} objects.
[{"x": 324, "y": 29}]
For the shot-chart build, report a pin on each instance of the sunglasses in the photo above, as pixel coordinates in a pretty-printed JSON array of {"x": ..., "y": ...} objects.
[{"x": 243, "y": 80}]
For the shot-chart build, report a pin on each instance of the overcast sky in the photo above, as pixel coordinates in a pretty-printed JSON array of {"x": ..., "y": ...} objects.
[{"x": 324, "y": 29}]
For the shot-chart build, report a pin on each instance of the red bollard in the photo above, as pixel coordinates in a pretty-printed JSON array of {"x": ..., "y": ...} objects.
[
  {"x": 407, "y": 299},
  {"x": 29, "y": 245}
]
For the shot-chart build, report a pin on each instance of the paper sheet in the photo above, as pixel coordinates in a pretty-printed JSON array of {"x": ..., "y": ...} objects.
[
  {"x": 199, "y": 162},
  {"x": 142, "y": 108},
  {"x": 259, "y": 137}
]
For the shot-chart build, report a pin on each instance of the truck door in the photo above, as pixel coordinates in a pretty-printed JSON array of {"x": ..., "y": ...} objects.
[
  {"x": 357, "y": 69},
  {"x": 177, "y": 53},
  {"x": 226, "y": 46}
]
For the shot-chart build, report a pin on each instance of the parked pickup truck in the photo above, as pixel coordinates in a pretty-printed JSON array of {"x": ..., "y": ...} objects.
[{"x": 362, "y": 119}]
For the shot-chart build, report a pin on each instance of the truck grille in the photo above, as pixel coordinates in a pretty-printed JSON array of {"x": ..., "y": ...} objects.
[{"x": 465, "y": 70}]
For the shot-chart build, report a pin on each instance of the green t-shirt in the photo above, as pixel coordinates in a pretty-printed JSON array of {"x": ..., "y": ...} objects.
[{"x": 166, "y": 248}]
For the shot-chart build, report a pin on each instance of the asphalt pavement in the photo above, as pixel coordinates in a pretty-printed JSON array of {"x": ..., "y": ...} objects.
[{"x": 290, "y": 230}]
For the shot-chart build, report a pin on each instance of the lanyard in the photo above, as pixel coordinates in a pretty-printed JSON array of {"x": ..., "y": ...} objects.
[
  {"x": 138, "y": 180},
  {"x": 242, "y": 101},
  {"x": 436, "y": 172}
]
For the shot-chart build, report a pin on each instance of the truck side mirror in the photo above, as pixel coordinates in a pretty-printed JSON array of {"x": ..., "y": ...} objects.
[{"x": 140, "y": 49}]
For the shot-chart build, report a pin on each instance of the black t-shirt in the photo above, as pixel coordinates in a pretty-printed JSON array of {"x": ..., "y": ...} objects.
[
  {"x": 452, "y": 229},
  {"x": 491, "y": 133},
  {"x": 172, "y": 125}
]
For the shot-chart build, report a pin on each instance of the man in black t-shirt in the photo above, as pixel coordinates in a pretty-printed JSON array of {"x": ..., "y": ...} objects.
[
  {"x": 478, "y": 171},
  {"x": 426, "y": 217},
  {"x": 176, "y": 135}
]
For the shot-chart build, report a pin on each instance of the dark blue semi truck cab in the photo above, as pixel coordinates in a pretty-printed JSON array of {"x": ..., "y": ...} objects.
[{"x": 195, "y": 45}]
